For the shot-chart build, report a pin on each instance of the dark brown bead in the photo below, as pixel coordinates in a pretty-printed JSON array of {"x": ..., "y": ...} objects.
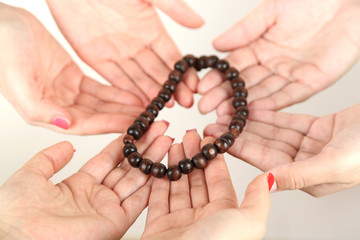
[
  {"x": 231, "y": 73},
  {"x": 128, "y": 149},
  {"x": 237, "y": 82},
  {"x": 240, "y": 117},
  {"x": 199, "y": 161},
  {"x": 236, "y": 124},
  {"x": 222, "y": 145},
  {"x": 148, "y": 116},
  {"x": 181, "y": 66},
  {"x": 242, "y": 111},
  {"x": 229, "y": 137},
  {"x": 158, "y": 170},
  {"x": 159, "y": 102},
  {"x": 170, "y": 85},
  {"x": 128, "y": 139},
  {"x": 135, "y": 131},
  {"x": 235, "y": 131},
  {"x": 175, "y": 76},
  {"x": 209, "y": 151},
  {"x": 200, "y": 63},
  {"x": 153, "y": 109},
  {"x": 165, "y": 94},
  {"x": 186, "y": 166},
  {"x": 143, "y": 123},
  {"x": 222, "y": 65},
  {"x": 190, "y": 59},
  {"x": 134, "y": 159},
  {"x": 239, "y": 101},
  {"x": 174, "y": 173},
  {"x": 145, "y": 165},
  {"x": 211, "y": 61},
  {"x": 240, "y": 92}
]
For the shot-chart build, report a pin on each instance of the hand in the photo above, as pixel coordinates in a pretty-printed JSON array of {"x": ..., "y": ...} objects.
[
  {"x": 126, "y": 42},
  {"x": 319, "y": 155},
  {"x": 286, "y": 52},
  {"x": 101, "y": 201},
  {"x": 203, "y": 205},
  {"x": 47, "y": 88}
]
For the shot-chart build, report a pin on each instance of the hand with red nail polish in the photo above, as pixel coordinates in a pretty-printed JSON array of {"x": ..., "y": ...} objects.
[
  {"x": 47, "y": 88},
  {"x": 286, "y": 51},
  {"x": 319, "y": 155},
  {"x": 203, "y": 204},
  {"x": 126, "y": 42},
  {"x": 100, "y": 201}
]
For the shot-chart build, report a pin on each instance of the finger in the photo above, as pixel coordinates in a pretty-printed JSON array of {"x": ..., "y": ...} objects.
[
  {"x": 211, "y": 79},
  {"x": 191, "y": 79},
  {"x": 98, "y": 123},
  {"x": 218, "y": 179},
  {"x": 180, "y": 12},
  {"x": 148, "y": 85},
  {"x": 166, "y": 49},
  {"x": 50, "y": 160},
  {"x": 298, "y": 122},
  {"x": 96, "y": 105},
  {"x": 198, "y": 190},
  {"x": 256, "y": 24},
  {"x": 183, "y": 95},
  {"x": 214, "y": 97},
  {"x": 257, "y": 198},
  {"x": 159, "y": 200},
  {"x": 288, "y": 94},
  {"x": 134, "y": 179},
  {"x": 108, "y": 93},
  {"x": 153, "y": 65},
  {"x": 113, "y": 73},
  {"x": 136, "y": 203},
  {"x": 262, "y": 157},
  {"x": 179, "y": 190},
  {"x": 111, "y": 175}
]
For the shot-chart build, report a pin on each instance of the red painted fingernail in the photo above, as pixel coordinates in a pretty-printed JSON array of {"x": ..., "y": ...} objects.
[
  {"x": 60, "y": 122},
  {"x": 212, "y": 136},
  {"x": 191, "y": 130},
  {"x": 172, "y": 140},
  {"x": 271, "y": 180},
  {"x": 166, "y": 122},
  {"x": 74, "y": 150}
]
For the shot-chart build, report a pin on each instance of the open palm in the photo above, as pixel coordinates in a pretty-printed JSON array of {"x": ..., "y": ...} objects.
[
  {"x": 101, "y": 201},
  {"x": 203, "y": 205},
  {"x": 319, "y": 155},
  {"x": 286, "y": 51},
  {"x": 126, "y": 42},
  {"x": 46, "y": 87}
]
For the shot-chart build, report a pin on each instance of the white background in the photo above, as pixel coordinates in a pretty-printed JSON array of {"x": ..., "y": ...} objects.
[{"x": 294, "y": 214}]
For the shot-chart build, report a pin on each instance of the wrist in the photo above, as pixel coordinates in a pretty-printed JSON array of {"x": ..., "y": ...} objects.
[{"x": 10, "y": 232}]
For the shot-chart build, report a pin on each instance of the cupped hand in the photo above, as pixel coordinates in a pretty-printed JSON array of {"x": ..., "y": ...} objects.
[
  {"x": 319, "y": 155},
  {"x": 126, "y": 42},
  {"x": 203, "y": 204},
  {"x": 286, "y": 52},
  {"x": 47, "y": 88},
  {"x": 101, "y": 201}
]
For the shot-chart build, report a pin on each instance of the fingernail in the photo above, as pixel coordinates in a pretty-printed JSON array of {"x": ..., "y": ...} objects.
[
  {"x": 74, "y": 150},
  {"x": 191, "y": 130},
  {"x": 172, "y": 140},
  {"x": 271, "y": 182},
  {"x": 166, "y": 122},
  {"x": 212, "y": 136},
  {"x": 60, "y": 122}
]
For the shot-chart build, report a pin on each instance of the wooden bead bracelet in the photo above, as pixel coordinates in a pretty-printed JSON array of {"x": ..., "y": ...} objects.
[{"x": 210, "y": 150}]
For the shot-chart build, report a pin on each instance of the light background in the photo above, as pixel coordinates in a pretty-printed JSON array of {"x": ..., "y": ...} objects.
[{"x": 294, "y": 214}]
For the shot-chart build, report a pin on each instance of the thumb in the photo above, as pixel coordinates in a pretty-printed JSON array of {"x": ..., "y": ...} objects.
[
  {"x": 297, "y": 175},
  {"x": 247, "y": 30},
  {"x": 180, "y": 12},
  {"x": 257, "y": 197},
  {"x": 50, "y": 160},
  {"x": 46, "y": 111}
]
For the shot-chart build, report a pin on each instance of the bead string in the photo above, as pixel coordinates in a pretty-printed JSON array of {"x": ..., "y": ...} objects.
[{"x": 208, "y": 151}]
